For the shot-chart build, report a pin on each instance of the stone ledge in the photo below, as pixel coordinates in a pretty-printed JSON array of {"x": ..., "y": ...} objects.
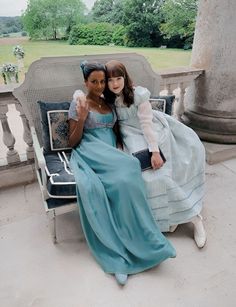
[
  {"x": 17, "y": 175},
  {"x": 216, "y": 153}
]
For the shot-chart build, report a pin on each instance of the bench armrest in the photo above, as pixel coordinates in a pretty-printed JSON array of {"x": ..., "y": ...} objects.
[
  {"x": 38, "y": 150},
  {"x": 40, "y": 164}
]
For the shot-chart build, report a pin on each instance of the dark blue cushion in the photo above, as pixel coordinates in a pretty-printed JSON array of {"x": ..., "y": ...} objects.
[
  {"x": 61, "y": 183},
  {"x": 169, "y": 102},
  {"x": 45, "y": 107}
]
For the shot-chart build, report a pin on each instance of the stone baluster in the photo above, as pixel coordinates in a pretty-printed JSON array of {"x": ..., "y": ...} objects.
[
  {"x": 8, "y": 138},
  {"x": 175, "y": 81},
  {"x": 26, "y": 134},
  {"x": 179, "y": 105}
]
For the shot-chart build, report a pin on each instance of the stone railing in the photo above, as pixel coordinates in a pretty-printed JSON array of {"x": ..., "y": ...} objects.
[
  {"x": 17, "y": 167},
  {"x": 176, "y": 81}
]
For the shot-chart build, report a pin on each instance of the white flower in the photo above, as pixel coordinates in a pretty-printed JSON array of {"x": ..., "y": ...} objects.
[
  {"x": 18, "y": 51},
  {"x": 9, "y": 68}
]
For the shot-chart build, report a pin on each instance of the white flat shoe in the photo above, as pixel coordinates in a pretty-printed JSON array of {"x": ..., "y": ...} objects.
[
  {"x": 121, "y": 278},
  {"x": 199, "y": 232}
]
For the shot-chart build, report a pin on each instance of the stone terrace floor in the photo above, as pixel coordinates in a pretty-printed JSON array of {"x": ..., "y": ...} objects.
[{"x": 36, "y": 273}]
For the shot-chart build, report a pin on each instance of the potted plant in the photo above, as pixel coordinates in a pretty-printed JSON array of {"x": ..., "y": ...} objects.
[
  {"x": 19, "y": 53},
  {"x": 9, "y": 73}
]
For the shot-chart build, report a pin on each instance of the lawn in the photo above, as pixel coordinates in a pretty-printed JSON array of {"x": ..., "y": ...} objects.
[{"x": 158, "y": 58}]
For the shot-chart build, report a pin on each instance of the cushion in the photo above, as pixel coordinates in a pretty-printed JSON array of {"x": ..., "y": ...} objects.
[
  {"x": 158, "y": 104},
  {"x": 58, "y": 129},
  {"x": 61, "y": 183},
  {"x": 58, "y": 125},
  {"x": 169, "y": 102}
]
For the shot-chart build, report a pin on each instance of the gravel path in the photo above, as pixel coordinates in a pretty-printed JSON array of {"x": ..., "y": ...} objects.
[{"x": 12, "y": 40}]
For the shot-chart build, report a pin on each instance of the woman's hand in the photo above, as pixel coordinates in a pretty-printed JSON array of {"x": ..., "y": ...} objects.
[
  {"x": 82, "y": 108},
  {"x": 156, "y": 160}
]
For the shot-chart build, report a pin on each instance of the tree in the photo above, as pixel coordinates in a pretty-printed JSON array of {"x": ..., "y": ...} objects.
[
  {"x": 10, "y": 25},
  {"x": 108, "y": 11},
  {"x": 143, "y": 20},
  {"x": 102, "y": 10},
  {"x": 47, "y": 18},
  {"x": 179, "y": 19}
]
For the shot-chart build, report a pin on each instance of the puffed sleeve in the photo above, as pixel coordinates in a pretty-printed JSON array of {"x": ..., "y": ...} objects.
[
  {"x": 141, "y": 94},
  {"x": 72, "y": 110},
  {"x": 145, "y": 116}
]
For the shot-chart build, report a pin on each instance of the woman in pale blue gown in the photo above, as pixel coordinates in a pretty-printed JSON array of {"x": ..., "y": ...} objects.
[
  {"x": 116, "y": 219},
  {"x": 175, "y": 189}
]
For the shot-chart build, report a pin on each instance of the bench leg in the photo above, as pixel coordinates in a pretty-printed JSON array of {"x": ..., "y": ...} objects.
[{"x": 52, "y": 220}]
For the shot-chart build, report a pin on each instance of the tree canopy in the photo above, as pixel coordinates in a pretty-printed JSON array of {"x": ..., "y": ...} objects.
[
  {"x": 111, "y": 11},
  {"x": 179, "y": 19},
  {"x": 143, "y": 23},
  {"x": 10, "y": 25},
  {"x": 47, "y": 18}
]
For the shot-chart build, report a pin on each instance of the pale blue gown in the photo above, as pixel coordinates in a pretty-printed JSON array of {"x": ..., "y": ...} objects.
[
  {"x": 116, "y": 219},
  {"x": 175, "y": 191}
]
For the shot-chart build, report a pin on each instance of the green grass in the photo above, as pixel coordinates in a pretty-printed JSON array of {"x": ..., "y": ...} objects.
[{"x": 158, "y": 58}]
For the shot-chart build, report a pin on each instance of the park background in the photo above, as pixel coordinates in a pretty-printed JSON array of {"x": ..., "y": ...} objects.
[{"x": 160, "y": 30}]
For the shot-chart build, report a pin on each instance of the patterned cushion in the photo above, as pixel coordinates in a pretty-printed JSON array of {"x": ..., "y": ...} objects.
[
  {"x": 58, "y": 129},
  {"x": 158, "y": 104},
  {"x": 46, "y": 107},
  {"x": 169, "y": 102}
]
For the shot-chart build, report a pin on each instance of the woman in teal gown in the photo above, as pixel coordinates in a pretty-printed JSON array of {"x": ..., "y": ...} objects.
[{"x": 116, "y": 219}]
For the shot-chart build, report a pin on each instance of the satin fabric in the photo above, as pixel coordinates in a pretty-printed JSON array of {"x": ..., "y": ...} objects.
[{"x": 116, "y": 219}]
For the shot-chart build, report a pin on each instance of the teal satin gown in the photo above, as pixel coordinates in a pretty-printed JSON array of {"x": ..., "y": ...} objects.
[{"x": 116, "y": 219}]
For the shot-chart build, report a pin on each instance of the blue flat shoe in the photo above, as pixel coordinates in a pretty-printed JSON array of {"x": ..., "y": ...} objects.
[{"x": 121, "y": 278}]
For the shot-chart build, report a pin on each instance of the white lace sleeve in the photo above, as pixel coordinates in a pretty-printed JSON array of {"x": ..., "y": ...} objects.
[
  {"x": 79, "y": 94},
  {"x": 145, "y": 118},
  {"x": 72, "y": 110}
]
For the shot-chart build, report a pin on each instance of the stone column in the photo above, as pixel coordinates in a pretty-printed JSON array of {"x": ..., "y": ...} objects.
[{"x": 211, "y": 101}]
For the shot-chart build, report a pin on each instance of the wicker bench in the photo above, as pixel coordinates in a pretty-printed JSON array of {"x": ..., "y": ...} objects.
[{"x": 52, "y": 81}]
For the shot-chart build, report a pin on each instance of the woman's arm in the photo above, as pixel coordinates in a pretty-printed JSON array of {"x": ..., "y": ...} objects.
[
  {"x": 76, "y": 127},
  {"x": 145, "y": 116},
  {"x": 75, "y": 132}
]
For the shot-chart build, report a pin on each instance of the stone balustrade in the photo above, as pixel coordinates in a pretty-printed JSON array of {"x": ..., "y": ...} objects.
[
  {"x": 176, "y": 81},
  {"x": 17, "y": 167}
]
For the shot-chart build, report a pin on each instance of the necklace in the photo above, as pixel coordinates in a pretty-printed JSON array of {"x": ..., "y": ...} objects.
[{"x": 99, "y": 104}]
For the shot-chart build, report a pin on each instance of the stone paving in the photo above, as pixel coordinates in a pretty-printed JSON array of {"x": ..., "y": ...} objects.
[{"x": 36, "y": 273}]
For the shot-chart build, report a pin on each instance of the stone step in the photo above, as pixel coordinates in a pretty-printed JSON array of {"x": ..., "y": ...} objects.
[{"x": 216, "y": 153}]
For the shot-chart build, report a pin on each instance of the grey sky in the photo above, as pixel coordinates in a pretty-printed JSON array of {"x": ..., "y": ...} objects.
[{"x": 14, "y": 7}]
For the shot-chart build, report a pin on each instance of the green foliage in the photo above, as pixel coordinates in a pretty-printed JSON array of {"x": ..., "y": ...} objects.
[
  {"x": 91, "y": 34},
  {"x": 102, "y": 11},
  {"x": 119, "y": 35},
  {"x": 143, "y": 20},
  {"x": 10, "y": 25},
  {"x": 179, "y": 19},
  {"x": 108, "y": 11},
  {"x": 52, "y": 19},
  {"x": 150, "y": 23}
]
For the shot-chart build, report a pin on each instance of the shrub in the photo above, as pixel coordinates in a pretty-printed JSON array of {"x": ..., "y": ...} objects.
[
  {"x": 119, "y": 35},
  {"x": 91, "y": 34}
]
